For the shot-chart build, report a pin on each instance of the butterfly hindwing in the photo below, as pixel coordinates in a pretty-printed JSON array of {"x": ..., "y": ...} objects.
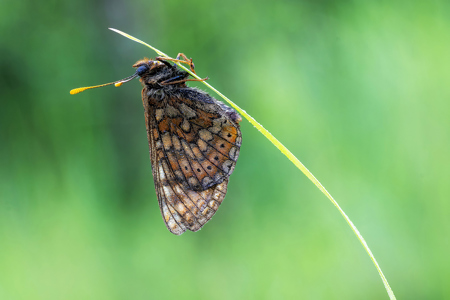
[{"x": 194, "y": 144}]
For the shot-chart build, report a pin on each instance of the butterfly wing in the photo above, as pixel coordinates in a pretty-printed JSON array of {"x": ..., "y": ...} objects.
[{"x": 194, "y": 145}]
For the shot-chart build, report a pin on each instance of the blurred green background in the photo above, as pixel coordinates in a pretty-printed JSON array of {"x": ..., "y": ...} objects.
[{"x": 358, "y": 90}]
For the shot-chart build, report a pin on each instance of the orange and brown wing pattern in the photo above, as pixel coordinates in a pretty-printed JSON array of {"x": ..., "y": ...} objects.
[{"x": 194, "y": 145}]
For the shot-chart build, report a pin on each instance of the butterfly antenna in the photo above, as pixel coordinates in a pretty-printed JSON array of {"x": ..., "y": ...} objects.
[{"x": 116, "y": 83}]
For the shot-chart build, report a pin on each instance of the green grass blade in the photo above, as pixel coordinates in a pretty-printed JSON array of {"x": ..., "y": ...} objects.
[{"x": 288, "y": 154}]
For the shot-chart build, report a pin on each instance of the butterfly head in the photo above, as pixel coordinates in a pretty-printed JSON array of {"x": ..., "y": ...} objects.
[
  {"x": 153, "y": 72},
  {"x": 145, "y": 67}
]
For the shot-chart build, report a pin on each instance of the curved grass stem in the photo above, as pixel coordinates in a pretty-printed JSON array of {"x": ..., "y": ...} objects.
[{"x": 288, "y": 154}]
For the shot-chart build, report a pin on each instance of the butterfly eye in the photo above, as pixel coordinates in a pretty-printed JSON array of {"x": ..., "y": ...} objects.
[{"x": 141, "y": 70}]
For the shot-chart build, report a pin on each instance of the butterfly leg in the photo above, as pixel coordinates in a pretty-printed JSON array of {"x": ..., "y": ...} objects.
[{"x": 185, "y": 60}]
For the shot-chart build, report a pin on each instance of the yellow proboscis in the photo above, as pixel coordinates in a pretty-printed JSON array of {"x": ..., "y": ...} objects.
[
  {"x": 78, "y": 90},
  {"x": 82, "y": 89},
  {"x": 116, "y": 84}
]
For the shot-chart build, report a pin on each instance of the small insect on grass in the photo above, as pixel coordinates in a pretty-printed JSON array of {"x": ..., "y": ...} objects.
[{"x": 194, "y": 142}]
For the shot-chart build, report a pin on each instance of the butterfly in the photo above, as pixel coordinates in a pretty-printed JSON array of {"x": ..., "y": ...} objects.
[{"x": 194, "y": 142}]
